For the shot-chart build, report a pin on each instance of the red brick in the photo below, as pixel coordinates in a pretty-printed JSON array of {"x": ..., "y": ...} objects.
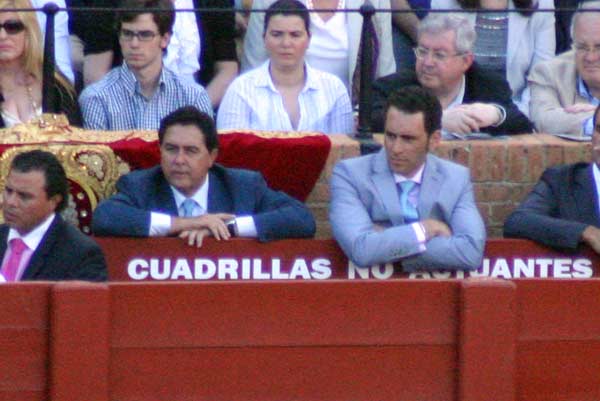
[
  {"x": 479, "y": 163},
  {"x": 320, "y": 192},
  {"x": 499, "y": 213},
  {"x": 496, "y": 160},
  {"x": 573, "y": 152},
  {"x": 517, "y": 162}
]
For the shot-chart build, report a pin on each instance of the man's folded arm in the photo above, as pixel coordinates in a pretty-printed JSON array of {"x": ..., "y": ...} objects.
[{"x": 464, "y": 248}]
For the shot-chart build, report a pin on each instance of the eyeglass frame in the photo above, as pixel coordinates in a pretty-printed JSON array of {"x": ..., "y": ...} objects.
[
  {"x": 435, "y": 55},
  {"x": 17, "y": 26},
  {"x": 584, "y": 49},
  {"x": 143, "y": 36}
]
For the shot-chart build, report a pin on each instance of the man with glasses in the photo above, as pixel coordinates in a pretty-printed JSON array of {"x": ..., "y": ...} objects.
[
  {"x": 473, "y": 101},
  {"x": 566, "y": 90},
  {"x": 140, "y": 92}
]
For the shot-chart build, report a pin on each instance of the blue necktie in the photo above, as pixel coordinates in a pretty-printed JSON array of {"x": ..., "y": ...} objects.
[
  {"x": 188, "y": 207},
  {"x": 409, "y": 211}
]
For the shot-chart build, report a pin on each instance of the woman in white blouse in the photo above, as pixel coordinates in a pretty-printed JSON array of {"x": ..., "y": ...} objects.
[
  {"x": 285, "y": 93},
  {"x": 335, "y": 41}
]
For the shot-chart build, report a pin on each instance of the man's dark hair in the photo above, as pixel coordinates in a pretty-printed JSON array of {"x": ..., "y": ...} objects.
[
  {"x": 415, "y": 99},
  {"x": 287, "y": 8},
  {"x": 163, "y": 19},
  {"x": 54, "y": 173},
  {"x": 189, "y": 115}
]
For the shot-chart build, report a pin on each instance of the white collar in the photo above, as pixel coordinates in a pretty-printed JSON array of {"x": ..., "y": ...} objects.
[
  {"x": 33, "y": 238},
  {"x": 200, "y": 196},
  {"x": 417, "y": 177}
]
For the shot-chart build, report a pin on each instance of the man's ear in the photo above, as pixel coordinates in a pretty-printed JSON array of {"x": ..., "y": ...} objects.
[
  {"x": 468, "y": 59},
  {"x": 213, "y": 156},
  {"x": 56, "y": 199},
  {"x": 165, "y": 40},
  {"x": 435, "y": 139}
]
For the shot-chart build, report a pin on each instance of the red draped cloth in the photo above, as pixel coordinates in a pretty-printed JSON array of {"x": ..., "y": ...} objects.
[{"x": 94, "y": 160}]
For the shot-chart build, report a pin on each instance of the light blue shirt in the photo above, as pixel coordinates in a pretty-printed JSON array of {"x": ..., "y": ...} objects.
[
  {"x": 116, "y": 102},
  {"x": 588, "y": 124}
]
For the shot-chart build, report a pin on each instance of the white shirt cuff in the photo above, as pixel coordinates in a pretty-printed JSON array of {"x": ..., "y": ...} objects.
[
  {"x": 588, "y": 126},
  {"x": 160, "y": 224},
  {"x": 245, "y": 227},
  {"x": 420, "y": 233}
]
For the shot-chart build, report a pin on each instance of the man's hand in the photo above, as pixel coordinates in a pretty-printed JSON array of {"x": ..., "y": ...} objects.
[
  {"x": 194, "y": 237},
  {"x": 215, "y": 224},
  {"x": 591, "y": 236},
  {"x": 457, "y": 119},
  {"x": 434, "y": 228},
  {"x": 485, "y": 114},
  {"x": 580, "y": 108}
]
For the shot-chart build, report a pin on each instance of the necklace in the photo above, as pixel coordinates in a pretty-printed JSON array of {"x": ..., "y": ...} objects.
[{"x": 32, "y": 101}]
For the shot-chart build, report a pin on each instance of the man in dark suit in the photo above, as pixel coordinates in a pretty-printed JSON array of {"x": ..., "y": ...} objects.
[
  {"x": 473, "y": 101},
  {"x": 191, "y": 196},
  {"x": 35, "y": 242},
  {"x": 562, "y": 209}
]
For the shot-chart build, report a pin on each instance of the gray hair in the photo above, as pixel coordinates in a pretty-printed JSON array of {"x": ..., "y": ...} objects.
[
  {"x": 586, "y": 5},
  {"x": 436, "y": 23}
]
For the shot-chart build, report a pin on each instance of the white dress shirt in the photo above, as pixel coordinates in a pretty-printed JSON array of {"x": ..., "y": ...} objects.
[
  {"x": 253, "y": 102},
  {"x": 183, "y": 51}
]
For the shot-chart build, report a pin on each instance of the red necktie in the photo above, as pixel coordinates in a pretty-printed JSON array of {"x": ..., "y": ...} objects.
[{"x": 17, "y": 247}]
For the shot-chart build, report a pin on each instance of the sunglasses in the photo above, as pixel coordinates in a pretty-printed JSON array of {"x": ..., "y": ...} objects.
[{"x": 12, "y": 26}]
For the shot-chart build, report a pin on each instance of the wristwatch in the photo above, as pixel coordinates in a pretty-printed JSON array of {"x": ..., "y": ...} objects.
[{"x": 232, "y": 227}]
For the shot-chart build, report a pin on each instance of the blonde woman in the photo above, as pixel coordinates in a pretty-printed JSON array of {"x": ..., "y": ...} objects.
[{"x": 21, "y": 60}]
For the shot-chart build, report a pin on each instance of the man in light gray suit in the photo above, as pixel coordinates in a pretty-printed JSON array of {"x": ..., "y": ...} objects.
[{"x": 404, "y": 204}]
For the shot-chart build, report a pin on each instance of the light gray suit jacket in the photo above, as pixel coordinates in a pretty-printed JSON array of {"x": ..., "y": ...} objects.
[
  {"x": 254, "y": 46},
  {"x": 553, "y": 87},
  {"x": 364, "y": 197}
]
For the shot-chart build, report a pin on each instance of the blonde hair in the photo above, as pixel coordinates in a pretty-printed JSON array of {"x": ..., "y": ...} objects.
[{"x": 33, "y": 53}]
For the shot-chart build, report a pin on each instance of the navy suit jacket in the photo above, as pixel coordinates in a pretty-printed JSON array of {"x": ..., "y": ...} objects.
[
  {"x": 241, "y": 192},
  {"x": 557, "y": 210},
  {"x": 64, "y": 253},
  {"x": 479, "y": 87}
]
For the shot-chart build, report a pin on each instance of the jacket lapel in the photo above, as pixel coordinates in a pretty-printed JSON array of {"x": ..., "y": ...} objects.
[
  {"x": 165, "y": 202},
  {"x": 219, "y": 198},
  {"x": 584, "y": 190},
  {"x": 383, "y": 180},
  {"x": 36, "y": 263},
  {"x": 430, "y": 187}
]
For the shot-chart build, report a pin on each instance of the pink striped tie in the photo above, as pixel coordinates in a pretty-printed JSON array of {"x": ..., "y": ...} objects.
[{"x": 17, "y": 247}]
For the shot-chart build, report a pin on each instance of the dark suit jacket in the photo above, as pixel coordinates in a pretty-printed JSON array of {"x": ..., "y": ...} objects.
[
  {"x": 480, "y": 86},
  {"x": 560, "y": 206},
  {"x": 64, "y": 253},
  {"x": 241, "y": 192}
]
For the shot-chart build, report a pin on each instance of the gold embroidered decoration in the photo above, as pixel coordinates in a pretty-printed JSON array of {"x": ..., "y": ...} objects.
[{"x": 92, "y": 171}]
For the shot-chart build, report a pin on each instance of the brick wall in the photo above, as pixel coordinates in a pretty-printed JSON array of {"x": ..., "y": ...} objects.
[{"x": 503, "y": 171}]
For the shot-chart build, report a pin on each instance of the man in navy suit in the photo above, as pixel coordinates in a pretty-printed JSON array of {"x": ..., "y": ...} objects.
[
  {"x": 562, "y": 209},
  {"x": 191, "y": 196},
  {"x": 35, "y": 242},
  {"x": 403, "y": 203}
]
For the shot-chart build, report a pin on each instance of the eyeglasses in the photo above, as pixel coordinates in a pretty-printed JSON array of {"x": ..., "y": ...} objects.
[
  {"x": 12, "y": 26},
  {"x": 582, "y": 49},
  {"x": 143, "y": 36},
  {"x": 436, "y": 55}
]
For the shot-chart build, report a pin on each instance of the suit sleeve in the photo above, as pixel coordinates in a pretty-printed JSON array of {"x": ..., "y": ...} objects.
[
  {"x": 546, "y": 108},
  {"x": 463, "y": 250},
  {"x": 537, "y": 219},
  {"x": 122, "y": 214},
  {"x": 278, "y": 215},
  {"x": 353, "y": 228},
  {"x": 515, "y": 122},
  {"x": 92, "y": 266}
]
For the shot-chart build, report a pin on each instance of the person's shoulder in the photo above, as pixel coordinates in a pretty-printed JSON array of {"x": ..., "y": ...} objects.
[
  {"x": 111, "y": 81},
  {"x": 72, "y": 238},
  {"x": 448, "y": 167},
  {"x": 143, "y": 176},
  {"x": 325, "y": 79},
  {"x": 359, "y": 165},
  {"x": 237, "y": 174},
  {"x": 565, "y": 173},
  {"x": 564, "y": 63}
]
